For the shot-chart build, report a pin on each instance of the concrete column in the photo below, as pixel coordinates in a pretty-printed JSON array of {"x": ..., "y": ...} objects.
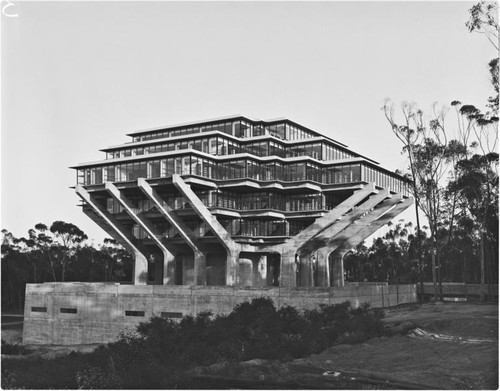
[
  {"x": 188, "y": 277},
  {"x": 260, "y": 271},
  {"x": 188, "y": 236},
  {"x": 232, "y": 268},
  {"x": 140, "y": 274},
  {"x": 306, "y": 270},
  {"x": 288, "y": 268},
  {"x": 200, "y": 268},
  {"x": 146, "y": 224},
  {"x": 322, "y": 264},
  {"x": 337, "y": 269},
  {"x": 168, "y": 270},
  {"x": 245, "y": 273}
]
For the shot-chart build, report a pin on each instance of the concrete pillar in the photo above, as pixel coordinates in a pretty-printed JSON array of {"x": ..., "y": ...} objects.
[
  {"x": 140, "y": 271},
  {"x": 260, "y": 271},
  {"x": 273, "y": 272},
  {"x": 200, "y": 268},
  {"x": 232, "y": 268},
  {"x": 140, "y": 276},
  {"x": 322, "y": 265},
  {"x": 306, "y": 270},
  {"x": 337, "y": 269},
  {"x": 188, "y": 269},
  {"x": 168, "y": 269},
  {"x": 288, "y": 268},
  {"x": 245, "y": 273}
]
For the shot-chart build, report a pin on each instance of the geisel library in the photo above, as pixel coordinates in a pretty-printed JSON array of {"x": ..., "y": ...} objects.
[{"x": 218, "y": 212}]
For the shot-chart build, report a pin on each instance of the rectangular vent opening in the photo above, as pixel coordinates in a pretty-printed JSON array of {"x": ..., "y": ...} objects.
[
  {"x": 38, "y": 309},
  {"x": 68, "y": 310},
  {"x": 177, "y": 315},
  {"x": 134, "y": 313}
]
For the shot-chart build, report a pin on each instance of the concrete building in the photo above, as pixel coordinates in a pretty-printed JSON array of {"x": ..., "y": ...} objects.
[
  {"x": 216, "y": 213},
  {"x": 238, "y": 202}
]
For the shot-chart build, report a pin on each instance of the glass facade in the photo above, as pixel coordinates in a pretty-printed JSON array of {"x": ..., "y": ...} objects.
[
  {"x": 274, "y": 157},
  {"x": 238, "y": 128},
  {"x": 223, "y": 146},
  {"x": 241, "y": 169}
]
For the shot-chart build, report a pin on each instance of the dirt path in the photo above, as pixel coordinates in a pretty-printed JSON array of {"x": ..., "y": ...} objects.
[{"x": 427, "y": 360}]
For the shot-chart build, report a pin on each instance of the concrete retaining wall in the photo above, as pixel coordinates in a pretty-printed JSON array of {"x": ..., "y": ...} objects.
[
  {"x": 84, "y": 313},
  {"x": 460, "y": 289}
]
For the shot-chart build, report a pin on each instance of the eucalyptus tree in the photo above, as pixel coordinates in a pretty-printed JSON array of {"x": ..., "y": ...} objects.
[
  {"x": 67, "y": 239},
  {"x": 426, "y": 144}
]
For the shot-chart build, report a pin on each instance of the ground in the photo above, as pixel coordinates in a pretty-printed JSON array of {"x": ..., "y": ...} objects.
[
  {"x": 444, "y": 345},
  {"x": 440, "y": 346}
]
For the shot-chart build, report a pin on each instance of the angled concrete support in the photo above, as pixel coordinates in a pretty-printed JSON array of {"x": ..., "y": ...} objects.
[
  {"x": 332, "y": 216},
  {"x": 222, "y": 235},
  {"x": 356, "y": 213},
  {"x": 200, "y": 262},
  {"x": 359, "y": 231},
  {"x": 143, "y": 222},
  {"x": 310, "y": 247},
  {"x": 289, "y": 264},
  {"x": 140, "y": 276},
  {"x": 369, "y": 225}
]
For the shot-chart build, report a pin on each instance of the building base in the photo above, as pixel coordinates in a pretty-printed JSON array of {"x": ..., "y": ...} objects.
[{"x": 87, "y": 313}]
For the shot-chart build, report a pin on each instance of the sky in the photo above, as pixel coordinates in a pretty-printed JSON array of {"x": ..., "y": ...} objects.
[{"x": 77, "y": 76}]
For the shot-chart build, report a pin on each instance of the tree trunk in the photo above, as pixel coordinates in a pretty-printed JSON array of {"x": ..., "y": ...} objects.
[
  {"x": 433, "y": 256},
  {"x": 440, "y": 276},
  {"x": 52, "y": 267},
  {"x": 483, "y": 287}
]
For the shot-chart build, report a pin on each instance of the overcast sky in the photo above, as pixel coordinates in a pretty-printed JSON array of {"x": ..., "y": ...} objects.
[{"x": 78, "y": 76}]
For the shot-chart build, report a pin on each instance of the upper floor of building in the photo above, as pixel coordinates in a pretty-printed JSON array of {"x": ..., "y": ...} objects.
[{"x": 237, "y": 147}]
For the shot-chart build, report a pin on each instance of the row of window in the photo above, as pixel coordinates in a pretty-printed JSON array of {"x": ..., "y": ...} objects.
[
  {"x": 240, "y": 129},
  {"x": 242, "y": 168},
  {"x": 127, "y": 312},
  {"x": 221, "y": 146},
  {"x": 237, "y": 201},
  {"x": 242, "y": 227},
  {"x": 235, "y": 227},
  {"x": 61, "y": 310},
  {"x": 274, "y": 201}
]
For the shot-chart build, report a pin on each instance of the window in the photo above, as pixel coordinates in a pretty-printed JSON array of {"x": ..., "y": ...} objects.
[
  {"x": 134, "y": 313},
  {"x": 68, "y": 310},
  {"x": 175, "y": 315}
]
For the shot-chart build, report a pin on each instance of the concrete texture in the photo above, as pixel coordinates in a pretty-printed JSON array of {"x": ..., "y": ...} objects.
[
  {"x": 102, "y": 308},
  {"x": 460, "y": 289}
]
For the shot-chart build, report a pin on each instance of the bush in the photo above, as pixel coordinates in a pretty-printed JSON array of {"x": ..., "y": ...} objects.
[
  {"x": 14, "y": 349},
  {"x": 157, "y": 354},
  {"x": 96, "y": 378}
]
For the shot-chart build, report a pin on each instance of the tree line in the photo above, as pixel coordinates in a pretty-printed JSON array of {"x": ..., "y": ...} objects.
[
  {"x": 58, "y": 253},
  {"x": 453, "y": 170}
]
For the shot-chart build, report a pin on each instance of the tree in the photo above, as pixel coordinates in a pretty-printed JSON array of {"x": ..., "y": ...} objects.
[
  {"x": 426, "y": 145},
  {"x": 391, "y": 258},
  {"x": 68, "y": 238},
  {"x": 483, "y": 19},
  {"x": 477, "y": 183}
]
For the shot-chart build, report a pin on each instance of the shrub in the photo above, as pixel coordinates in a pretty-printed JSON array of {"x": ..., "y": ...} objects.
[
  {"x": 157, "y": 354},
  {"x": 14, "y": 349}
]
